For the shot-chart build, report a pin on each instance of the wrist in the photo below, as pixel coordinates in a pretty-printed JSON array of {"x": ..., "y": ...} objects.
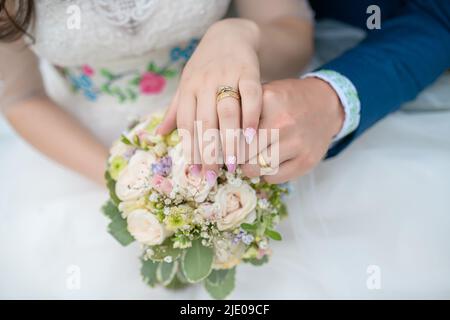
[
  {"x": 348, "y": 97},
  {"x": 245, "y": 30},
  {"x": 331, "y": 102}
]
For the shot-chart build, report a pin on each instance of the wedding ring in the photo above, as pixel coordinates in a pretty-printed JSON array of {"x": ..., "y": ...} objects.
[
  {"x": 227, "y": 91},
  {"x": 262, "y": 162}
]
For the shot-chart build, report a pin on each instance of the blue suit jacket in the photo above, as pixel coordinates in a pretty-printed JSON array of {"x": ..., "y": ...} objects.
[{"x": 393, "y": 64}]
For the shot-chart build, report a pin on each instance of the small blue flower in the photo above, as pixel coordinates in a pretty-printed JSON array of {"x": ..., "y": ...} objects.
[
  {"x": 162, "y": 167},
  {"x": 85, "y": 82},
  {"x": 247, "y": 239},
  {"x": 175, "y": 54}
]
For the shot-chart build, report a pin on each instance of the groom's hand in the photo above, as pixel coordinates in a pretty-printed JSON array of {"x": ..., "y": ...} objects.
[{"x": 308, "y": 115}]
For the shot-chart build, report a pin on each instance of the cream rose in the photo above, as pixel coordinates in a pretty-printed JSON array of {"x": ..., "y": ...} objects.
[
  {"x": 134, "y": 181},
  {"x": 145, "y": 227},
  {"x": 120, "y": 149},
  {"x": 188, "y": 177},
  {"x": 237, "y": 205}
]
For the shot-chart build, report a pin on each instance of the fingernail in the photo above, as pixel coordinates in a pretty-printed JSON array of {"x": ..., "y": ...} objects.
[
  {"x": 231, "y": 163},
  {"x": 211, "y": 177},
  {"x": 249, "y": 134},
  {"x": 195, "y": 169}
]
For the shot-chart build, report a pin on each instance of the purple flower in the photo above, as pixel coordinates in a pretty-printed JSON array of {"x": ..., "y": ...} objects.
[
  {"x": 247, "y": 239},
  {"x": 162, "y": 167}
]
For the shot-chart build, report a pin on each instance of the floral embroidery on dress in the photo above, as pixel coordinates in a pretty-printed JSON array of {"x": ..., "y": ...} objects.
[{"x": 127, "y": 85}]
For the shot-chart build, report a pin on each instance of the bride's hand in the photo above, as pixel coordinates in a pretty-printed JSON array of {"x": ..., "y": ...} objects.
[{"x": 226, "y": 56}]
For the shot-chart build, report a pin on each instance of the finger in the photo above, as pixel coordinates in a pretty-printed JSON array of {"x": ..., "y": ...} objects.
[
  {"x": 251, "y": 95},
  {"x": 229, "y": 112},
  {"x": 276, "y": 153},
  {"x": 169, "y": 122},
  {"x": 185, "y": 123},
  {"x": 208, "y": 138}
]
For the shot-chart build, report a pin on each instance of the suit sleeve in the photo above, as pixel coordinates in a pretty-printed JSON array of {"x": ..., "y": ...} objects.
[{"x": 393, "y": 64}]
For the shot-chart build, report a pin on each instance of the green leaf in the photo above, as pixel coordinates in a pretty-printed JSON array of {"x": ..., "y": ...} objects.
[
  {"x": 111, "y": 185},
  {"x": 118, "y": 226},
  {"x": 135, "y": 81},
  {"x": 273, "y": 234},
  {"x": 217, "y": 277},
  {"x": 197, "y": 261},
  {"x": 152, "y": 67},
  {"x": 166, "y": 272},
  {"x": 125, "y": 140},
  {"x": 181, "y": 277},
  {"x": 258, "y": 262},
  {"x": 222, "y": 289},
  {"x": 248, "y": 227},
  {"x": 110, "y": 210},
  {"x": 148, "y": 272},
  {"x": 118, "y": 229},
  {"x": 105, "y": 88},
  {"x": 106, "y": 74},
  {"x": 177, "y": 283},
  {"x": 131, "y": 94}
]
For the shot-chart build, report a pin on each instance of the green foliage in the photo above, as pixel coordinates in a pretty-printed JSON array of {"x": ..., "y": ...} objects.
[
  {"x": 273, "y": 234},
  {"x": 168, "y": 73},
  {"x": 164, "y": 250},
  {"x": 248, "y": 227},
  {"x": 111, "y": 185},
  {"x": 118, "y": 226},
  {"x": 108, "y": 75},
  {"x": 220, "y": 283},
  {"x": 166, "y": 272},
  {"x": 258, "y": 262},
  {"x": 197, "y": 261}
]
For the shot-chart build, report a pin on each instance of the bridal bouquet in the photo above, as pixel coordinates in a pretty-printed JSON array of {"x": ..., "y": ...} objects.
[{"x": 190, "y": 231}]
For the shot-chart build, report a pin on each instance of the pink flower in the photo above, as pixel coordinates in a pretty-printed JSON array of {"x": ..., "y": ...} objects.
[
  {"x": 161, "y": 184},
  {"x": 151, "y": 83},
  {"x": 87, "y": 70}
]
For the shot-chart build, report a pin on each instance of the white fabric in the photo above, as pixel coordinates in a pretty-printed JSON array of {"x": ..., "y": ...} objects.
[{"x": 383, "y": 202}]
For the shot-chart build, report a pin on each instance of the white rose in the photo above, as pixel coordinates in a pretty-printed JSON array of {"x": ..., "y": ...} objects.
[
  {"x": 145, "y": 227},
  {"x": 237, "y": 205},
  {"x": 120, "y": 149},
  {"x": 208, "y": 211},
  {"x": 187, "y": 178},
  {"x": 134, "y": 181}
]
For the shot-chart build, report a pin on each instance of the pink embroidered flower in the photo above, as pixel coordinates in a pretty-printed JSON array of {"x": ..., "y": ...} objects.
[
  {"x": 151, "y": 83},
  {"x": 161, "y": 184},
  {"x": 87, "y": 70}
]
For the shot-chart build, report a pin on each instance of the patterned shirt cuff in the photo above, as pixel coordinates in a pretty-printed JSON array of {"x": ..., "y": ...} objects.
[{"x": 348, "y": 95}]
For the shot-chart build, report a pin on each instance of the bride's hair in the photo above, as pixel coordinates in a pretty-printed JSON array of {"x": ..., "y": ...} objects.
[{"x": 15, "y": 17}]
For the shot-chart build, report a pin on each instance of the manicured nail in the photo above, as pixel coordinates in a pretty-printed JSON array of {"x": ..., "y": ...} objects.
[
  {"x": 249, "y": 134},
  {"x": 211, "y": 177},
  {"x": 231, "y": 163},
  {"x": 195, "y": 169}
]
